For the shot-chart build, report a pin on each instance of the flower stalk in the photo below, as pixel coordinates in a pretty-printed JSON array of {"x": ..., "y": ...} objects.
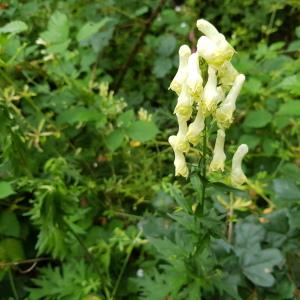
[{"x": 203, "y": 105}]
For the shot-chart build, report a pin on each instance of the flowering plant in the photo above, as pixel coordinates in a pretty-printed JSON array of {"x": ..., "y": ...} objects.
[{"x": 212, "y": 101}]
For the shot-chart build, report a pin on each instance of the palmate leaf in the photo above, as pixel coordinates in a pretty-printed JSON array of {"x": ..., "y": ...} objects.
[
  {"x": 159, "y": 286},
  {"x": 73, "y": 280},
  {"x": 258, "y": 266}
]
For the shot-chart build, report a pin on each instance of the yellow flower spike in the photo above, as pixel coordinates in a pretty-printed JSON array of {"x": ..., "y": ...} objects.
[
  {"x": 181, "y": 168},
  {"x": 218, "y": 161},
  {"x": 227, "y": 74},
  {"x": 195, "y": 128},
  {"x": 182, "y": 143},
  {"x": 225, "y": 112},
  {"x": 184, "y": 106},
  {"x": 180, "y": 77},
  {"x": 237, "y": 175},
  {"x": 210, "y": 92},
  {"x": 194, "y": 79},
  {"x": 213, "y": 47}
]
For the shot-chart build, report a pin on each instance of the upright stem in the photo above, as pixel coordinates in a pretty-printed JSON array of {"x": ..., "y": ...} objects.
[
  {"x": 203, "y": 168},
  {"x": 90, "y": 257},
  {"x": 125, "y": 265}
]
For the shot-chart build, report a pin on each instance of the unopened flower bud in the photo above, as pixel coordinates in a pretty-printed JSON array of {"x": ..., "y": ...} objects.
[
  {"x": 180, "y": 77},
  {"x": 195, "y": 128},
  {"x": 181, "y": 168},
  {"x": 210, "y": 93},
  {"x": 219, "y": 156},
  {"x": 194, "y": 79},
  {"x": 184, "y": 106},
  {"x": 237, "y": 175},
  {"x": 225, "y": 111}
]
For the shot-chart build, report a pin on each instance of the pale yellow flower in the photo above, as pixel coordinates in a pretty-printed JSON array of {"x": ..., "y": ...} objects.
[
  {"x": 182, "y": 143},
  {"x": 194, "y": 79},
  {"x": 181, "y": 168},
  {"x": 218, "y": 161},
  {"x": 195, "y": 128},
  {"x": 227, "y": 74},
  {"x": 220, "y": 95},
  {"x": 210, "y": 92},
  {"x": 225, "y": 112},
  {"x": 184, "y": 106},
  {"x": 180, "y": 77},
  {"x": 237, "y": 175},
  {"x": 213, "y": 47}
]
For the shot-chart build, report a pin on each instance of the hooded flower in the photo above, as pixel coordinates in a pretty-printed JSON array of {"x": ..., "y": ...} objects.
[
  {"x": 225, "y": 111},
  {"x": 194, "y": 79},
  {"x": 184, "y": 105},
  {"x": 219, "y": 156},
  {"x": 179, "y": 162},
  {"x": 195, "y": 128},
  {"x": 213, "y": 47},
  {"x": 210, "y": 93},
  {"x": 180, "y": 77},
  {"x": 227, "y": 74},
  {"x": 221, "y": 95},
  {"x": 237, "y": 175},
  {"x": 182, "y": 143}
]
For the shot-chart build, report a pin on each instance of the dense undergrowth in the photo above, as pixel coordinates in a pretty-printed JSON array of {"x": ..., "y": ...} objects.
[{"x": 90, "y": 207}]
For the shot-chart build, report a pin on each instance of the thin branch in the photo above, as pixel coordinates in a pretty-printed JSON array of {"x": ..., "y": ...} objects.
[
  {"x": 90, "y": 257},
  {"x": 125, "y": 265},
  {"x": 23, "y": 262},
  {"x": 137, "y": 45}
]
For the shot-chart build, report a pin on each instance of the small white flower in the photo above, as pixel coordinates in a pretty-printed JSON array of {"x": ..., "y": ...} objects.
[
  {"x": 225, "y": 111},
  {"x": 183, "y": 25},
  {"x": 181, "y": 168},
  {"x": 194, "y": 79},
  {"x": 144, "y": 115},
  {"x": 237, "y": 175},
  {"x": 184, "y": 106},
  {"x": 219, "y": 156},
  {"x": 180, "y": 77},
  {"x": 195, "y": 128},
  {"x": 210, "y": 92},
  {"x": 213, "y": 48},
  {"x": 40, "y": 41},
  {"x": 140, "y": 273}
]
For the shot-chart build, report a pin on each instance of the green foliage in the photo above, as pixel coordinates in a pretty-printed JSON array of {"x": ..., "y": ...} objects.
[
  {"x": 73, "y": 281},
  {"x": 84, "y": 163}
]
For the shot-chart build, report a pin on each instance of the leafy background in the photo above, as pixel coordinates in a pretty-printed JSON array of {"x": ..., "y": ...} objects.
[{"x": 90, "y": 208}]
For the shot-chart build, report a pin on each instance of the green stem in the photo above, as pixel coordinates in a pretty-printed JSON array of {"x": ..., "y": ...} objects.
[
  {"x": 124, "y": 265},
  {"x": 204, "y": 168},
  {"x": 12, "y": 284},
  {"x": 89, "y": 255}
]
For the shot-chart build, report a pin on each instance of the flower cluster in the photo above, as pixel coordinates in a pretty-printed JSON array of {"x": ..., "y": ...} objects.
[{"x": 215, "y": 97}]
